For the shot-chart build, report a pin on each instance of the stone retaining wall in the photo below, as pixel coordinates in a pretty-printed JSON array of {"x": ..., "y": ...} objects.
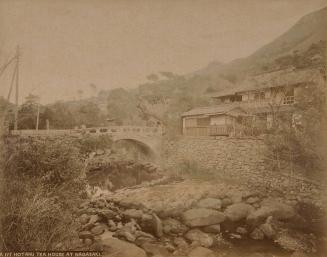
[
  {"x": 240, "y": 159},
  {"x": 236, "y": 155}
]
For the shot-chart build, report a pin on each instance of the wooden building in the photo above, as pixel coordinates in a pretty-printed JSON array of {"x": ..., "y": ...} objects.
[
  {"x": 212, "y": 121},
  {"x": 255, "y": 99}
]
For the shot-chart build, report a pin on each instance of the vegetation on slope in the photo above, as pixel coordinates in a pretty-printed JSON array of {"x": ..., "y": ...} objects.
[{"x": 43, "y": 186}]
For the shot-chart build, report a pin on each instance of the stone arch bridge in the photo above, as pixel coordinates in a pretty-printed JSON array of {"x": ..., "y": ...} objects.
[{"x": 149, "y": 138}]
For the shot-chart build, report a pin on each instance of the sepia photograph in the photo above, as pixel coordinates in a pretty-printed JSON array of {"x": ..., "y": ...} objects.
[{"x": 163, "y": 128}]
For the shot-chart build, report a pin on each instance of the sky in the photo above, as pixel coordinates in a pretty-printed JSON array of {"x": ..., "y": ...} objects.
[{"x": 67, "y": 45}]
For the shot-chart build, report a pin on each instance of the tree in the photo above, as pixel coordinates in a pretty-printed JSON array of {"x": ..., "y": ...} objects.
[
  {"x": 28, "y": 111},
  {"x": 168, "y": 74},
  {"x": 122, "y": 106},
  {"x": 93, "y": 89},
  {"x": 80, "y": 93},
  {"x": 153, "y": 77},
  {"x": 60, "y": 116},
  {"x": 89, "y": 114},
  {"x": 295, "y": 138}
]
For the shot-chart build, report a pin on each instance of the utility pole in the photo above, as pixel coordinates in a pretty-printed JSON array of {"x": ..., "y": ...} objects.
[
  {"x": 17, "y": 88},
  {"x": 37, "y": 116}
]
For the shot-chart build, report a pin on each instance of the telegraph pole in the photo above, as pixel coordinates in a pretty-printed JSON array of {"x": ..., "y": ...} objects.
[
  {"x": 37, "y": 116},
  {"x": 17, "y": 88}
]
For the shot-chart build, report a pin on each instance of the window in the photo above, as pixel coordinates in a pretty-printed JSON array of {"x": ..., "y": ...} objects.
[
  {"x": 259, "y": 95},
  {"x": 236, "y": 98},
  {"x": 289, "y": 96},
  {"x": 288, "y": 100},
  {"x": 190, "y": 122},
  {"x": 203, "y": 122}
]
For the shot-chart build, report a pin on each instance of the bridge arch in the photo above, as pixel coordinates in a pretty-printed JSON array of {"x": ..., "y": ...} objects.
[{"x": 144, "y": 149}]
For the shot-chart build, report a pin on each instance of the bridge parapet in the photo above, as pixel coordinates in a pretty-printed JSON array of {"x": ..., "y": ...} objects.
[{"x": 111, "y": 130}]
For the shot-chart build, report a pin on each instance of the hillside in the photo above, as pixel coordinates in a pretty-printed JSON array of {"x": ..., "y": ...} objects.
[{"x": 309, "y": 30}]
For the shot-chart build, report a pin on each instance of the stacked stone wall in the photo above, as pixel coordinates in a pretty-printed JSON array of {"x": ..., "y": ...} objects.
[{"x": 243, "y": 160}]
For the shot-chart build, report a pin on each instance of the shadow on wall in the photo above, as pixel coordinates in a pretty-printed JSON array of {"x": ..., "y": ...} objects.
[{"x": 134, "y": 150}]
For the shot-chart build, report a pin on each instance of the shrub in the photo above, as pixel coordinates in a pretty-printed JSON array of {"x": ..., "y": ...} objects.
[
  {"x": 89, "y": 143},
  {"x": 43, "y": 187}
]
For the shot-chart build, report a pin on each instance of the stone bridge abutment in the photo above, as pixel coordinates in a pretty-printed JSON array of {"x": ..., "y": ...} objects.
[{"x": 149, "y": 138}]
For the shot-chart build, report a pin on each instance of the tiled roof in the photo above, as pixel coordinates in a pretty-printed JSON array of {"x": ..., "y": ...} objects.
[
  {"x": 234, "y": 109},
  {"x": 274, "y": 79},
  {"x": 231, "y": 108}
]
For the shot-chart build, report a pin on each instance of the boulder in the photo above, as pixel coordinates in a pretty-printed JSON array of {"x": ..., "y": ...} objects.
[
  {"x": 198, "y": 237},
  {"x": 157, "y": 225},
  {"x": 235, "y": 195},
  {"x": 171, "y": 212},
  {"x": 257, "y": 234},
  {"x": 267, "y": 229},
  {"x": 127, "y": 235},
  {"x": 112, "y": 225},
  {"x": 107, "y": 214},
  {"x": 100, "y": 203},
  {"x": 84, "y": 219},
  {"x": 146, "y": 217},
  {"x": 212, "y": 229},
  {"x": 279, "y": 211},
  {"x": 139, "y": 233},
  {"x": 170, "y": 247},
  {"x": 202, "y": 217},
  {"x": 252, "y": 200},
  {"x": 209, "y": 203},
  {"x": 241, "y": 230},
  {"x": 180, "y": 242},
  {"x": 235, "y": 236},
  {"x": 130, "y": 204},
  {"x": 97, "y": 230},
  {"x": 94, "y": 218},
  {"x": 86, "y": 235},
  {"x": 88, "y": 226},
  {"x": 88, "y": 242},
  {"x": 201, "y": 252},
  {"x": 238, "y": 211},
  {"x": 174, "y": 226},
  {"x": 133, "y": 214},
  {"x": 113, "y": 247},
  {"x": 131, "y": 226},
  {"x": 155, "y": 249},
  {"x": 220, "y": 242},
  {"x": 226, "y": 202}
]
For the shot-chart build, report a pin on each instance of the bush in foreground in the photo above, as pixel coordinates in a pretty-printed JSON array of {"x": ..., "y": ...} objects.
[{"x": 43, "y": 187}]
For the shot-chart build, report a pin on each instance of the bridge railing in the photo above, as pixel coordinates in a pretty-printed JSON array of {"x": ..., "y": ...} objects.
[
  {"x": 95, "y": 130},
  {"x": 31, "y": 132}
]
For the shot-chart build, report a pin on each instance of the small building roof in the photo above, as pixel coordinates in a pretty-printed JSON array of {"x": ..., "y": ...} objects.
[{"x": 230, "y": 109}]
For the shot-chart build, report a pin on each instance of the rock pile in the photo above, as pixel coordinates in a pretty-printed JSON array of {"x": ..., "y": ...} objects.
[
  {"x": 204, "y": 229},
  {"x": 116, "y": 174}
]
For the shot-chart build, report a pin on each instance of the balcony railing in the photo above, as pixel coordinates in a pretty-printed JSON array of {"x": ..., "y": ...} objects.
[{"x": 215, "y": 130}]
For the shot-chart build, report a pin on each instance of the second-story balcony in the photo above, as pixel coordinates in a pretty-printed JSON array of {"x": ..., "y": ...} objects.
[{"x": 259, "y": 103}]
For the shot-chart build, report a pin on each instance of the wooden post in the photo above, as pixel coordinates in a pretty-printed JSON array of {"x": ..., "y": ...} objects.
[
  {"x": 17, "y": 89},
  {"x": 47, "y": 124},
  {"x": 37, "y": 117}
]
